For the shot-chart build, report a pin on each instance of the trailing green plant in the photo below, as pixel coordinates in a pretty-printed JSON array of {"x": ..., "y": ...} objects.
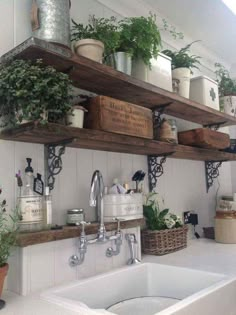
[
  {"x": 30, "y": 90},
  {"x": 8, "y": 231},
  {"x": 182, "y": 58},
  {"x": 172, "y": 30},
  {"x": 157, "y": 219},
  {"x": 103, "y": 29},
  {"x": 227, "y": 85},
  {"x": 141, "y": 37}
]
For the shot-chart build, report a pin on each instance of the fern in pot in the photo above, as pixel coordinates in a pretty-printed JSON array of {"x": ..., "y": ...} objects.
[
  {"x": 182, "y": 64},
  {"x": 8, "y": 234},
  {"x": 98, "y": 38},
  {"x": 165, "y": 232},
  {"x": 141, "y": 38},
  {"x": 227, "y": 90},
  {"x": 32, "y": 92}
]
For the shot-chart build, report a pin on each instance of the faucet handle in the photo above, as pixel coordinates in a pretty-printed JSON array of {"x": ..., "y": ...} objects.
[
  {"x": 118, "y": 220},
  {"x": 82, "y": 223}
]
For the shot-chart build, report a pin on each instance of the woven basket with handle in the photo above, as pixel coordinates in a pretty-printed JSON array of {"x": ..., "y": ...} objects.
[{"x": 165, "y": 241}]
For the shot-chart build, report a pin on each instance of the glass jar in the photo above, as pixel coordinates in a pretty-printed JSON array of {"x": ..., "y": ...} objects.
[
  {"x": 168, "y": 131},
  {"x": 75, "y": 216}
]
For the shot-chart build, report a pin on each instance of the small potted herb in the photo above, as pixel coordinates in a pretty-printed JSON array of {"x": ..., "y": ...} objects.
[
  {"x": 32, "y": 92},
  {"x": 165, "y": 232},
  {"x": 8, "y": 233},
  {"x": 182, "y": 65},
  {"x": 227, "y": 90},
  {"x": 100, "y": 36}
]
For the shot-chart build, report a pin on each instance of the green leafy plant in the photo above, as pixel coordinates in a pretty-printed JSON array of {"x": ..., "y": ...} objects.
[
  {"x": 182, "y": 58},
  {"x": 29, "y": 91},
  {"x": 157, "y": 219},
  {"x": 8, "y": 231},
  {"x": 172, "y": 30},
  {"x": 103, "y": 29},
  {"x": 141, "y": 37},
  {"x": 227, "y": 85}
]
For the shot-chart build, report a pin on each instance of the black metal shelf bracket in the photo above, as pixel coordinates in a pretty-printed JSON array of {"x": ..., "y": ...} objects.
[
  {"x": 157, "y": 112},
  {"x": 155, "y": 168},
  {"x": 215, "y": 126},
  {"x": 53, "y": 161},
  {"x": 212, "y": 172}
]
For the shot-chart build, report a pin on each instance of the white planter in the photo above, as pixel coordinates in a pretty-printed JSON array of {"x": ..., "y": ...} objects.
[
  {"x": 204, "y": 90},
  {"x": 229, "y": 104},
  {"x": 183, "y": 75},
  {"x": 160, "y": 72},
  {"x": 139, "y": 70},
  {"x": 76, "y": 118},
  {"x": 90, "y": 48}
]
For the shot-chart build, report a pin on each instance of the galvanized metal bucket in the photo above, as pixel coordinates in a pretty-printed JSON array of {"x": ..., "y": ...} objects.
[
  {"x": 121, "y": 61},
  {"x": 50, "y": 20}
]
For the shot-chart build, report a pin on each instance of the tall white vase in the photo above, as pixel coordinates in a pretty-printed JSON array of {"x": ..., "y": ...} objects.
[{"x": 183, "y": 75}]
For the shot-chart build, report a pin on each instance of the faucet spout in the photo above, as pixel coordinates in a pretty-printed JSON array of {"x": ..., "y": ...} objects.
[{"x": 96, "y": 200}]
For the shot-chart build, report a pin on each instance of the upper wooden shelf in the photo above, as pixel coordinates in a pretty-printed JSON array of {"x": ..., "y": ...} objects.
[
  {"x": 101, "y": 79},
  {"x": 107, "y": 141}
]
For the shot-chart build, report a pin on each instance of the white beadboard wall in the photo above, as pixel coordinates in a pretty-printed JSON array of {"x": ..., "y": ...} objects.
[{"x": 182, "y": 185}]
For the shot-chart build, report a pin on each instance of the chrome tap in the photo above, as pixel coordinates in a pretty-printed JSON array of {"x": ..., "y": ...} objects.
[
  {"x": 131, "y": 238},
  {"x": 76, "y": 260},
  {"x": 96, "y": 200},
  {"x": 117, "y": 238}
]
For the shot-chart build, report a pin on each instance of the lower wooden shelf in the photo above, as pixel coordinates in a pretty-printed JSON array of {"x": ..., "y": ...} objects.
[
  {"x": 106, "y": 141},
  {"x": 33, "y": 238}
]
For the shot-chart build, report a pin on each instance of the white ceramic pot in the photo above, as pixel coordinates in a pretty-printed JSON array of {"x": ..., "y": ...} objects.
[
  {"x": 76, "y": 118},
  {"x": 139, "y": 70},
  {"x": 160, "y": 72},
  {"x": 183, "y": 76},
  {"x": 229, "y": 105},
  {"x": 90, "y": 48}
]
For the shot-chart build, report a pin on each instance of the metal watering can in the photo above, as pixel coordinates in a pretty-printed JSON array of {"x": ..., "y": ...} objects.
[{"x": 50, "y": 21}]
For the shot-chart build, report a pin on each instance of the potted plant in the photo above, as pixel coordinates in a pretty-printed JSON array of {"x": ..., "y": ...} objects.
[
  {"x": 31, "y": 92},
  {"x": 165, "y": 231},
  {"x": 98, "y": 37},
  {"x": 227, "y": 90},
  {"x": 182, "y": 65},
  {"x": 8, "y": 233},
  {"x": 140, "y": 37}
]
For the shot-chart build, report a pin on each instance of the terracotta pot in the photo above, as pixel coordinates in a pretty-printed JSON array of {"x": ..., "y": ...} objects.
[
  {"x": 90, "y": 48},
  {"x": 3, "y": 273}
]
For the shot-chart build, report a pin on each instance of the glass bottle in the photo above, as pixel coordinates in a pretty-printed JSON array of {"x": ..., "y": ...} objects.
[{"x": 30, "y": 203}]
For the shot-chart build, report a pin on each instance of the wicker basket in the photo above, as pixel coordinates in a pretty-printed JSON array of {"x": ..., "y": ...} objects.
[{"x": 165, "y": 241}]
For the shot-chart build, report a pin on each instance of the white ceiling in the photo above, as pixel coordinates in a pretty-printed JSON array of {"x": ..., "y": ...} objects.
[{"x": 208, "y": 20}]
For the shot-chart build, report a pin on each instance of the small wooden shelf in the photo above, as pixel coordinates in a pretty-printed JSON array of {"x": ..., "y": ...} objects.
[
  {"x": 106, "y": 141},
  {"x": 101, "y": 79},
  {"x": 33, "y": 238}
]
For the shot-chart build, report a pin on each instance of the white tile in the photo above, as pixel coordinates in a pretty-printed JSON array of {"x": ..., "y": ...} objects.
[
  {"x": 63, "y": 251},
  {"x": 42, "y": 266}
]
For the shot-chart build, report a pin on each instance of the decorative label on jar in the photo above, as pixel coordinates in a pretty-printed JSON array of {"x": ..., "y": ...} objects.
[{"x": 31, "y": 209}]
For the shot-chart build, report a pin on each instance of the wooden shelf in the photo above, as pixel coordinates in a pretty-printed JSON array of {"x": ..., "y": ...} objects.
[
  {"x": 33, "y": 238},
  {"x": 101, "y": 79},
  {"x": 106, "y": 141}
]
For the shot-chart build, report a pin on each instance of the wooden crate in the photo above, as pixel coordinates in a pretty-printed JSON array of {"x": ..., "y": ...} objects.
[
  {"x": 204, "y": 138},
  {"x": 108, "y": 114}
]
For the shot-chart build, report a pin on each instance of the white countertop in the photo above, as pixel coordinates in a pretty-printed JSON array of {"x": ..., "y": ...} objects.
[{"x": 200, "y": 254}]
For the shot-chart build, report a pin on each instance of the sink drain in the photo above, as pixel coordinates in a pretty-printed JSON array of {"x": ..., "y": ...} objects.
[{"x": 142, "y": 305}]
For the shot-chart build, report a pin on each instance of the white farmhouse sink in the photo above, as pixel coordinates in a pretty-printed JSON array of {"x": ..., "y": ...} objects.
[{"x": 160, "y": 289}]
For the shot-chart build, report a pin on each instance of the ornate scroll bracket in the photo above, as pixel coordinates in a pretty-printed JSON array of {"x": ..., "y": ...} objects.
[
  {"x": 53, "y": 161},
  {"x": 157, "y": 113},
  {"x": 212, "y": 172},
  {"x": 215, "y": 126},
  {"x": 155, "y": 169}
]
